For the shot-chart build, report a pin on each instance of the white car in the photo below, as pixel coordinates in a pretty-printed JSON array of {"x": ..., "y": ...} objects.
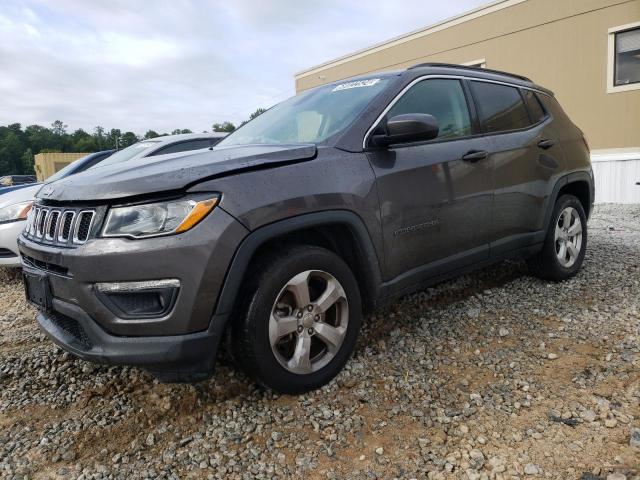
[
  {"x": 15, "y": 204},
  {"x": 14, "y": 207}
]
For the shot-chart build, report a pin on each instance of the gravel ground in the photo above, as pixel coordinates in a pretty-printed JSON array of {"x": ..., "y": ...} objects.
[{"x": 492, "y": 375}]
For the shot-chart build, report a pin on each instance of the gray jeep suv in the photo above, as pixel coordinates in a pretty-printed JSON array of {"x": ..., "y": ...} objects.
[{"x": 324, "y": 207}]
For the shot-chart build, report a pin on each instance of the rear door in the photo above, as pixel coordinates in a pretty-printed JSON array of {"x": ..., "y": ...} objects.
[
  {"x": 525, "y": 156},
  {"x": 435, "y": 204}
]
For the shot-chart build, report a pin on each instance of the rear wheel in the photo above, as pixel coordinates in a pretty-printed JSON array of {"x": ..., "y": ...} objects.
[
  {"x": 565, "y": 243},
  {"x": 299, "y": 322}
]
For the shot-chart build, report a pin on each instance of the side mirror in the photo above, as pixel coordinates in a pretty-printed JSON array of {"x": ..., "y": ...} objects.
[{"x": 410, "y": 127}]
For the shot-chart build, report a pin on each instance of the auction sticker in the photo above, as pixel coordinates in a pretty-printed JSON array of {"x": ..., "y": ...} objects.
[{"x": 356, "y": 84}]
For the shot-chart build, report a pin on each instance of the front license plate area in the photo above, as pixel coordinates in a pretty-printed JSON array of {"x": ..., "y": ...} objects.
[{"x": 37, "y": 290}]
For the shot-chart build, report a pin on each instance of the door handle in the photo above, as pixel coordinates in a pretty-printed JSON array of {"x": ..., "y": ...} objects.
[
  {"x": 546, "y": 144},
  {"x": 475, "y": 156}
]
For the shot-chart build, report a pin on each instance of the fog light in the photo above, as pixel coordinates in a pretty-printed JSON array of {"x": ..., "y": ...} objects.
[{"x": 145, "y": 299}]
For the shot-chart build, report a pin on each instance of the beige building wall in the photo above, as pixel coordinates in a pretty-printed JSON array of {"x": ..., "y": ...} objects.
[
  {"x": 46, "y": 164},
  {"x": 560, "y": 44}
]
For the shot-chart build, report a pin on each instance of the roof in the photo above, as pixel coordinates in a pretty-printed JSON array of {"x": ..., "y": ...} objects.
[
  {"x": 477, "y": 72},
  {"x": 422, "y": 32}
]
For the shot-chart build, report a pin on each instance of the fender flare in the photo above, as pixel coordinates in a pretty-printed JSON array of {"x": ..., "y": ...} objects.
[
  {"x": 366, "y": 254},
  {"x": 579, "y": 176}
]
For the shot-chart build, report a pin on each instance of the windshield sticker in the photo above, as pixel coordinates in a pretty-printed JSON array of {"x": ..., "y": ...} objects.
[{"x": 356, "y": 84}]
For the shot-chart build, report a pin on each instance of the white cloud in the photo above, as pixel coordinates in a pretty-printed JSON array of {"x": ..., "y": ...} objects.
[{"x": 180, "y": 63}]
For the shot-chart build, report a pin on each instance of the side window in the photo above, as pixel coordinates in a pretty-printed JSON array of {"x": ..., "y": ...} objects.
[
  {"x": 500, "y": 107},
  {"x": 627, "y": 57},
  {"x": 184, "y": 146},
  {"x": 444, "y": 99},
  {"x": 535, "y": 109}
]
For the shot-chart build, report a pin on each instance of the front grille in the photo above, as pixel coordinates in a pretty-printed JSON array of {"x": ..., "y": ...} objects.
[
  {"x": 71, "y": 326},
  {"x": 66, "y": 227},
  {"x": 67, "y": 222},
  {"x": 48, "y": 267},
  {"x": 52, "y": 224},
  {"x": 83, "y": 226}
]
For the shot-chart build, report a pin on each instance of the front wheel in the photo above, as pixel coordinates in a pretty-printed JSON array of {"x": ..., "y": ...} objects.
[
  {"x": 565, "y": 243},
  {"x": 299, "y": 320}
]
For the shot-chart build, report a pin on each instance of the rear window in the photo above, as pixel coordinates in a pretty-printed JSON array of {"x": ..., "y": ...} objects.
[
  {"x": 501, "y": 107},
  {"x": 535, "y": 109}
]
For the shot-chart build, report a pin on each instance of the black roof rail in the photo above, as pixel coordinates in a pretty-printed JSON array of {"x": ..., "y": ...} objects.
[{"x": 473, "y": 69}]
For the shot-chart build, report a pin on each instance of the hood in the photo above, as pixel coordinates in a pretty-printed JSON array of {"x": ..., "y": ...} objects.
[
  {"x": 171, "y": 172},
  {"x": 12, "y": 188},
  {"x": 19, "y": 195}
]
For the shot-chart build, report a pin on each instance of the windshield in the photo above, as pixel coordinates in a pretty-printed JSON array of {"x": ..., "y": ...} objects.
[
  {"x": 310, "y": 117},
  {"x": 128, "y": 153}
]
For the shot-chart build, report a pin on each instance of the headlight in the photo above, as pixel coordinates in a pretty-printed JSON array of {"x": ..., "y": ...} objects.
[
  {"x": 15, "y": 212},
  {"x": 155, "y": 219}
]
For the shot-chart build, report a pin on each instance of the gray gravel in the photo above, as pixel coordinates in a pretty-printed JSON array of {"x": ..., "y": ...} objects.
[{"x": 493, "y": 375}]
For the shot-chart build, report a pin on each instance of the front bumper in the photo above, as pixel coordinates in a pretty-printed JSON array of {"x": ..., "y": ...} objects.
[
  {"x": 9, "y": 233},
  {"x": 189, "y": 357},
  {"x": 81, "y": 321}
]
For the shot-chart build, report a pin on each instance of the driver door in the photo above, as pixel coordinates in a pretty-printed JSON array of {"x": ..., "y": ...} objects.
[{"x": 435, "y": 196}]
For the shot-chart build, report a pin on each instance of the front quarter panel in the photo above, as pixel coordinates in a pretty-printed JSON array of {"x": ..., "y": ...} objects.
[{"x": 335, "y": 180}]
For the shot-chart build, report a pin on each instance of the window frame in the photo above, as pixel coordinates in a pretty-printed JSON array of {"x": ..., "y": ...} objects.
[
  {"x": 611, "y": 59},
  {"x": 473, "y": 110},
  {"x": 542, "y": 107},
  {"x": 483, "y": 127},
  {"x": 473, "y": 121}
]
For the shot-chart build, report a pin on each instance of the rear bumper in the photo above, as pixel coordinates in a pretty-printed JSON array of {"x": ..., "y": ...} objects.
[{"x": 188, "y": 357}]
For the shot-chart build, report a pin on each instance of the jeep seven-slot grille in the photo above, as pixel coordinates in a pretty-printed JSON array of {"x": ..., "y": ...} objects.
[
  {"x": 84, "y": 223},
  {"x": 59, "y": 226}
]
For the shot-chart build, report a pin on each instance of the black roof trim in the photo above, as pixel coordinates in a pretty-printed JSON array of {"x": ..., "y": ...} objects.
[{"x": 473, "y": 69}]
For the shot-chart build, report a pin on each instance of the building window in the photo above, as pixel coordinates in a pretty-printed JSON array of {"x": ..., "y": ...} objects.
[{"x": 624, "y": 58}]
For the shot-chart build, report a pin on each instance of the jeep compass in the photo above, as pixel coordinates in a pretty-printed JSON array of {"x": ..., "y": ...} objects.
[{"x": 278, "y": 239}]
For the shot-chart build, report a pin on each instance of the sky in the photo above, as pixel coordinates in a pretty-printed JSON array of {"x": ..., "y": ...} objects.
[{"x": 161, "y": 65}]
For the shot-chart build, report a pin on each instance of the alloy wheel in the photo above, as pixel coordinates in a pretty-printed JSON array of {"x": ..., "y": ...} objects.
[
  {"x": 308, "y": 322},
  {"x": 568, "y": 237}
]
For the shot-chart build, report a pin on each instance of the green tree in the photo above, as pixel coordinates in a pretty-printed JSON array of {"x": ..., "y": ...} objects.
[
  {"x": 98, "y": 133},
  {"x": 223, "y": 127},
  {"x": 58, "y": 128},
  {"x": 11, "y": 150},
  {"x": 128, "y": 138},
  {"x": 257, "y": 113},
  {"x": 151, "y": 134},
  {"x": 82, "y": 141},
  {"x": 113, "y": 138},
  {"x": 87, "y": 144},
  {"x": 28, "y": 162},
  {"x": 39, "y": 138},
  {"x": 178, "y": 131}
]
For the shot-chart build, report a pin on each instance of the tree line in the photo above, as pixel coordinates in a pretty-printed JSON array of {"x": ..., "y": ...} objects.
[{"x": 18, "y": 145}]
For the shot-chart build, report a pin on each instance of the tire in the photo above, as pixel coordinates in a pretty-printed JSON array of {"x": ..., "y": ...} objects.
[
  {"x": 550, "y": 264},
  {"x": 275, "y": 333}
]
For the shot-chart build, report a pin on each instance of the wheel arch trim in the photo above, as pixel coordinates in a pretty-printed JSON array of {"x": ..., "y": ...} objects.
[
  {"x": 574, "y": 177},
  {"x": 367, "y": 257}
]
